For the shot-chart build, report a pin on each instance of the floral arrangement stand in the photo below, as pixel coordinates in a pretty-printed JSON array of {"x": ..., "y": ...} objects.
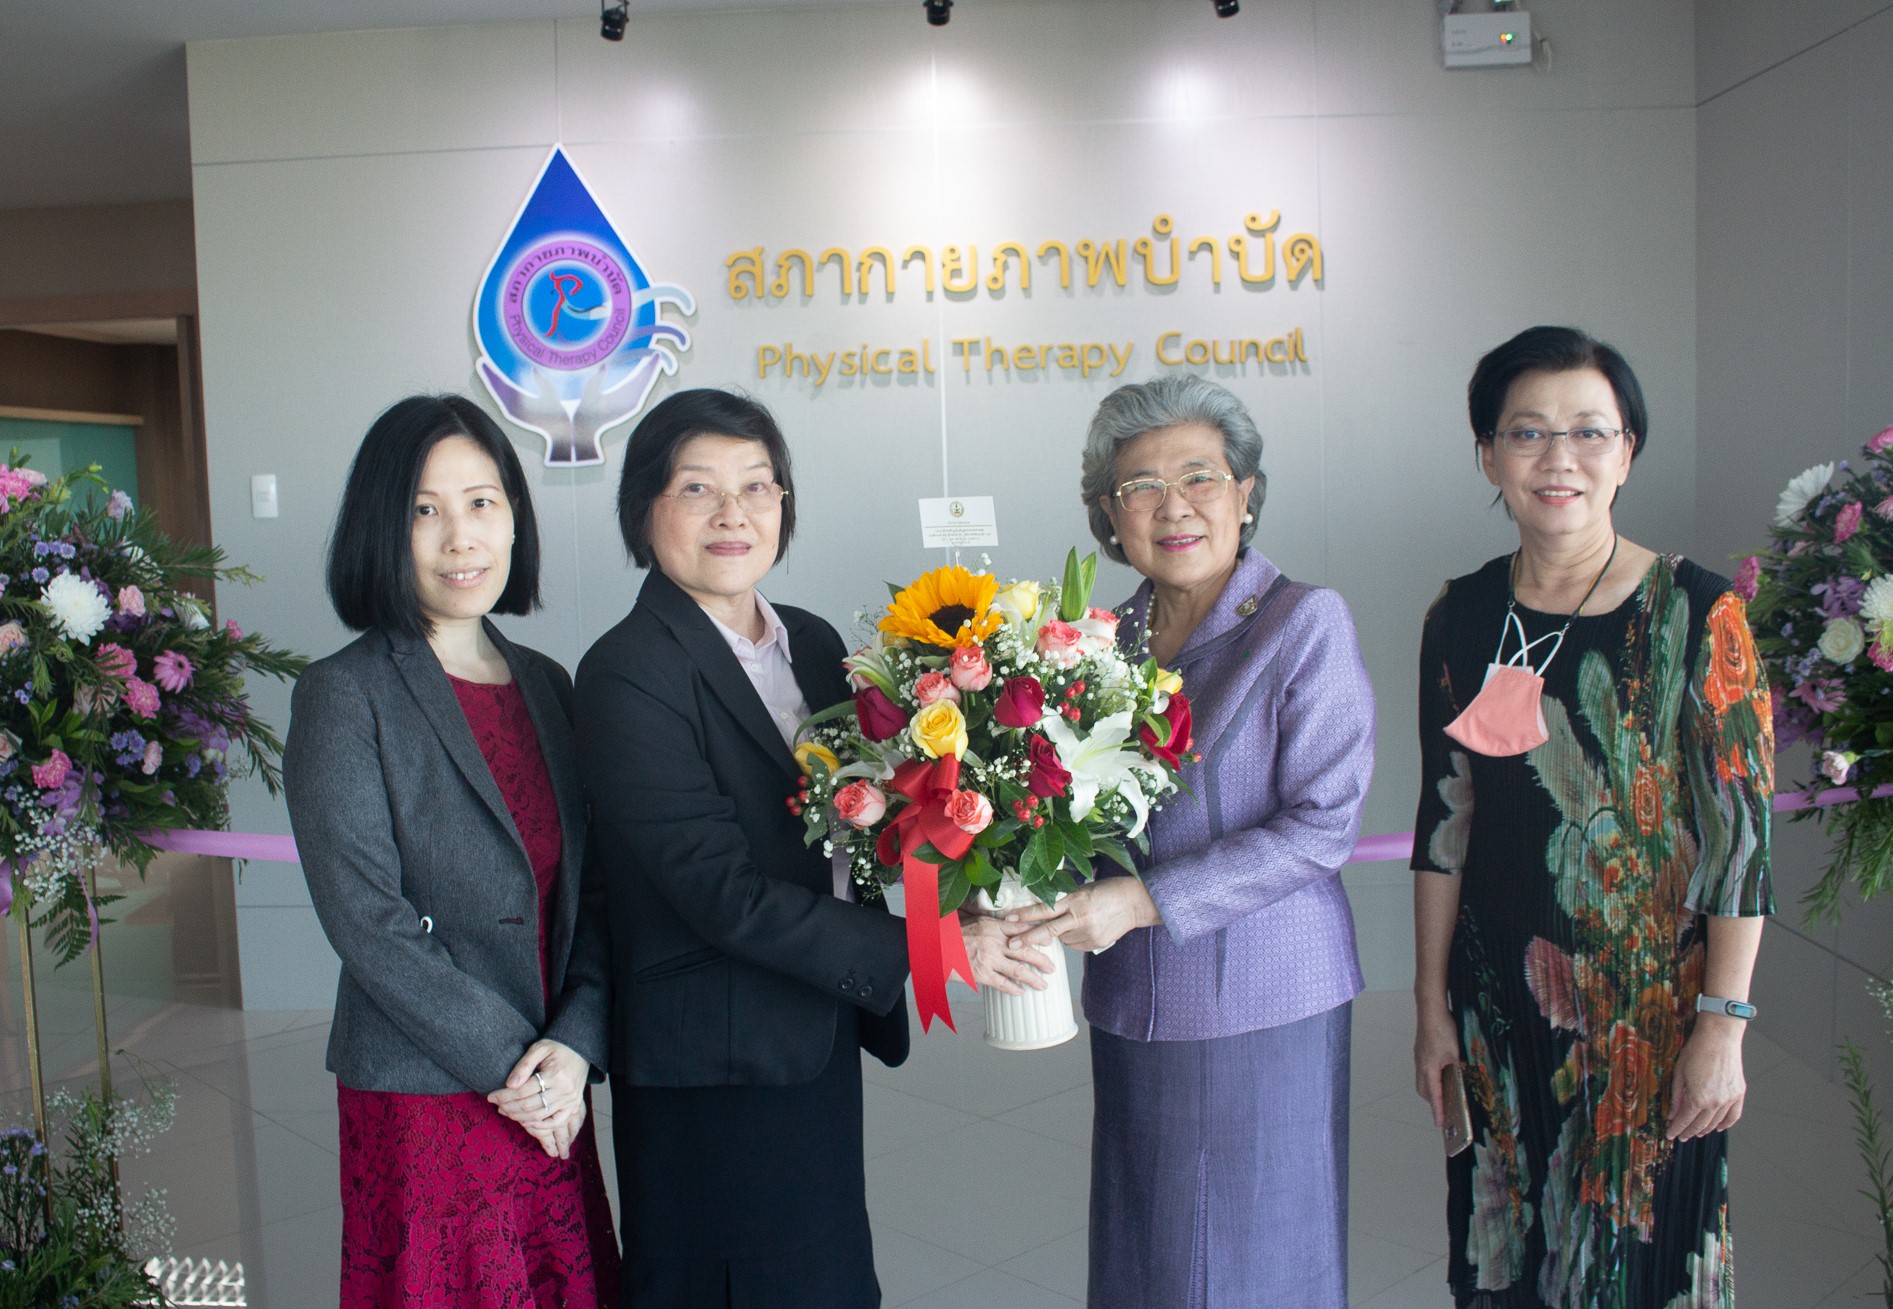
[
  {"x": 123, "y": 714},
  {"x": 994, "y": 737},
  {"x": 1821, "y": 605}
]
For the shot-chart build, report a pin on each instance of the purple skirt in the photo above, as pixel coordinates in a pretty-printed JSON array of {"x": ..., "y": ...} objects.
[{"x": 1219, "y": 1169}]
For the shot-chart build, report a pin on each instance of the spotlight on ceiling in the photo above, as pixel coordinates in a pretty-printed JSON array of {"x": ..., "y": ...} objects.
[
  {"x": 1228, "y": 8},
  {"x": 612, "y": 17},
  {"x": 938, "y": 12}
]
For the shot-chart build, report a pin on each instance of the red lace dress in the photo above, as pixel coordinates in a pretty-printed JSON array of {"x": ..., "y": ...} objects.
[{"x": 447, "y": 1204}]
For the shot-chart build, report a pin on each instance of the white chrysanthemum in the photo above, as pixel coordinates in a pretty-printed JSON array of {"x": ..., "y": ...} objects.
[
  {"x": 1795, "y": 496},
  {"x": 78, "y": 610},
  {"x": 1842, "y": 640},
  {"x": 1876, "y": 604}
]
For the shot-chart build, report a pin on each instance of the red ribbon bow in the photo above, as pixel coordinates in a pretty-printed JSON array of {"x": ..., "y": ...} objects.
[{"x": 935, "y": 948}]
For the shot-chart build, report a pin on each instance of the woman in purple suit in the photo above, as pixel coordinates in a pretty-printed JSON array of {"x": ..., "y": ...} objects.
[{"x": 1220, "y": 1004}]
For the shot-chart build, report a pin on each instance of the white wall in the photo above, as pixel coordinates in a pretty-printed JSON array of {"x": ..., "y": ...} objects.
[
  {"x": 350, "y": 189},
  {"x": 1795, "y": 346}
]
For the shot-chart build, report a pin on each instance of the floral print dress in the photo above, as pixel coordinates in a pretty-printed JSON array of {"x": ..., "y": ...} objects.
[{"x": 1588, "y": 866}]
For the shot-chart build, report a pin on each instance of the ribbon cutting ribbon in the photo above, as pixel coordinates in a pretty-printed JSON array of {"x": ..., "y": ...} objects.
[{"x": 935, "y": 948}]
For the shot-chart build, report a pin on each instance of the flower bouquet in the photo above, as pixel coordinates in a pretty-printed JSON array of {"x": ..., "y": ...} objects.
[
  {"x": 1821, "y": 606},
  {"x": 998, "y": 742},
  {"x": 122, "y": 708}
]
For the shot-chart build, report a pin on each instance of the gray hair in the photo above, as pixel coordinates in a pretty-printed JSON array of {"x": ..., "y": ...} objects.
[{"x": 1130, "y": 411}]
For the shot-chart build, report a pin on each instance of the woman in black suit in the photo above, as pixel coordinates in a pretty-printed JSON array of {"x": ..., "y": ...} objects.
[
  {"x": 441, "y": 826},
  {"x": 745, "y": 976}
]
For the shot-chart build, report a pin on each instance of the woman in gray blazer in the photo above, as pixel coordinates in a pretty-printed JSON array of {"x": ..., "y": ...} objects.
[{"x": 439, "y": 817}]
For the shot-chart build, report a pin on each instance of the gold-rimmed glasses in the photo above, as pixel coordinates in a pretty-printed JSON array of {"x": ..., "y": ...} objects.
[
  {"x": 1145, "y": 495},
  {"x": 700, "y": 499}
]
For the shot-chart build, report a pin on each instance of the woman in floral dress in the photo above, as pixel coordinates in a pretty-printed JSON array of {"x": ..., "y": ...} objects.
[{"x": 1592, "y": 866}]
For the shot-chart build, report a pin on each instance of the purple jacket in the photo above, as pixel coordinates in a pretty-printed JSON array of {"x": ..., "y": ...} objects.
[{"x": 1247, "y": 871}]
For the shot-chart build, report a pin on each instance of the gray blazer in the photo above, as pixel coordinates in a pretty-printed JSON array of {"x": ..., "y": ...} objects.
[{"x": 421, "y": 881}]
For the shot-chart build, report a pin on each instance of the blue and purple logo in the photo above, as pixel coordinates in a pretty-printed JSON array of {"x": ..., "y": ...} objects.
[{"x": 567, "y": 321}]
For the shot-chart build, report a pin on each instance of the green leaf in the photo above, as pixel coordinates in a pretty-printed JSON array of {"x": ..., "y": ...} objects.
[
  {"x": 954, "y": 888},
  {"x": 841, "y": 709},
  {"x": 1115, "y": 852},
  {"x": 894, "y": 589},
  {"x": 1078, "y": 844},
  {"x": 979, "y": 869}
]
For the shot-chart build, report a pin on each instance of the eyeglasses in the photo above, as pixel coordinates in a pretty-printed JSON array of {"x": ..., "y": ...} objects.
[
  {"x": 1585, "y": 442},
  {"x": 1145, "y": 495},
  {"x": 700, "y": 499}
]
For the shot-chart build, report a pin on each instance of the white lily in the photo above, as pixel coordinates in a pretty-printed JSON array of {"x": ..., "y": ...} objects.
[
  {"x": 1100, "y": 764},
  {"x": 1801, "y": 489}
]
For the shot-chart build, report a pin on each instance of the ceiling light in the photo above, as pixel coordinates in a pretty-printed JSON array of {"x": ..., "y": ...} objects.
[
  {"x": 938, "y": 12},
  {"x": 612, "y": 17}
]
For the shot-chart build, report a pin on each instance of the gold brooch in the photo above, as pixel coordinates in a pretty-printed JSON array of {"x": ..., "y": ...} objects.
[{"x": 1246, "y": 608}]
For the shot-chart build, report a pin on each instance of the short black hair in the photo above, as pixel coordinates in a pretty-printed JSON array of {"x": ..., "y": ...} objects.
[
  {"x": 1553, "y": 350},
  {"x": 371, "y": 553},
  {"x": 651, "y": 453}
]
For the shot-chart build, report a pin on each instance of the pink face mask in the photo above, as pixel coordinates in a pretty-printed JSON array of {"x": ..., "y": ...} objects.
[{"x": 1507, "y": 717}]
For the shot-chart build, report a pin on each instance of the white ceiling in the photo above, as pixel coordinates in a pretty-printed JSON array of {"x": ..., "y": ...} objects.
[{"x": 92, "y": 96}]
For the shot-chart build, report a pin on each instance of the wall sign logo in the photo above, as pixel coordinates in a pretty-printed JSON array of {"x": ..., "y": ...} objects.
[{"x": 566, "y": 321}]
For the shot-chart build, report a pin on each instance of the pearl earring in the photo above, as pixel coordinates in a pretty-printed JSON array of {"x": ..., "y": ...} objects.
[{"x": 1247, "y": 519}]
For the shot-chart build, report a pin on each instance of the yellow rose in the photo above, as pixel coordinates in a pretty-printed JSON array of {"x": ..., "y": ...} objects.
[
  {"x": 809, "y": 751},
  {"x": 1018, "y": 602},
  {"x": 1169, "y": 682},
  {"x": 939, "y": 729}
]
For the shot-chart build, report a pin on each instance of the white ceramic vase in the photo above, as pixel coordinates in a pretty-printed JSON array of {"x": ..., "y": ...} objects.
[{"x": 1036, "y": 1019}]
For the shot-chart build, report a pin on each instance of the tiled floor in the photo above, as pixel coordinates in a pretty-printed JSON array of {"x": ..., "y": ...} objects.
[{"x": 977, "y": 1162}]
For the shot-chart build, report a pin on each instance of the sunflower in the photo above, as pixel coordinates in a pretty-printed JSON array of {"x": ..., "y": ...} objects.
[{"x": 947, "y": 607}]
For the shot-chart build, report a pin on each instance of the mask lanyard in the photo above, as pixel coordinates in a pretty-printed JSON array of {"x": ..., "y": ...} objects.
[{"x": 1513, "y": 622}]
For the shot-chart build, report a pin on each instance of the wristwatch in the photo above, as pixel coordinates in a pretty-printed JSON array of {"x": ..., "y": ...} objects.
[{"x": 1715, "y": 1004}]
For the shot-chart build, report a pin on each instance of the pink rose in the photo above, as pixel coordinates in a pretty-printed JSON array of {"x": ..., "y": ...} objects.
[
  {"x": 141, "y": 697},
  {"x": 934, "y": 687},
  {"x": 1021, "y": 702},
  {"x": 1880, "y": 441},
  {"x": 154, "y": 755},
  {"x": 1097, "y": 632},
  {"x": 1058, "y": 644},
  {"x": 131, "y": 601},
  {"x": 51, "y": 775},
  {"x": 1848, "y": 521},
  {"x": 115, "y": 660},
  {"x": 1747, "y": 575},
  {"x": 230, "y": 626},
  {"x": 969, "y": 669},
  {"x": 969, "y": 811},
  {"x": 860, "y": 804},
  {"x": 12, "y": 637},
  {"x": 172, "y": 671}
]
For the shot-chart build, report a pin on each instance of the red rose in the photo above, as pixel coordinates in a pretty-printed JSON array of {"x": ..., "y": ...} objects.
[
  {"x": 1178, "y": 712},
  {"x": 1021, "y": 702},
  {"x": 1049, "y": 777},
  {"x": 880, "y": 717}
]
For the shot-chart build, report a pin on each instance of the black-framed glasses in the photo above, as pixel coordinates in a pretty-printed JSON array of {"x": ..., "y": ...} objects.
[
  {"x": 1145, "y": 495},
  {"x": 700, "y": 498},
  {"x": 1528, "y": 442}
]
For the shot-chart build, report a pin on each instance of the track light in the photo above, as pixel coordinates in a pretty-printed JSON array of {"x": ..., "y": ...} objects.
[
  {"x": 612, "y": 18},
  {"x": 938, "y": 12},
  {"x": 1228, "y": 8}
]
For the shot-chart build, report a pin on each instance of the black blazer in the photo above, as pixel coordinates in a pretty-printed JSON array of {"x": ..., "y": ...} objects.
[
  {"x": 731, "y": 955},
  {"x": 420, "y": 879}
]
